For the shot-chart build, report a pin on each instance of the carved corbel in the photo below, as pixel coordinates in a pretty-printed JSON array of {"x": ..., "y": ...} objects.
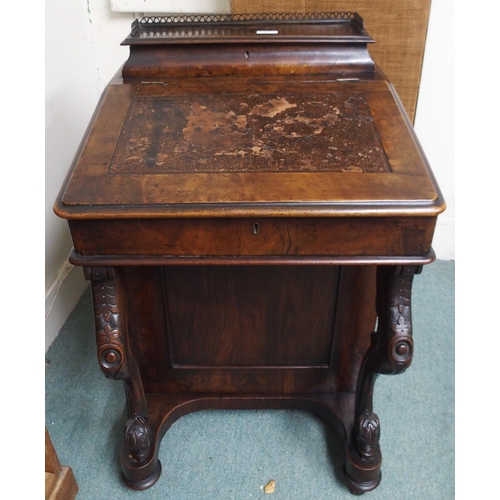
[
  {"x": 391, "y": 351},
  {"x": 115, "y": 359},
  {"x": 111, "y": 350},
  {"x": 397, "y": 328}
]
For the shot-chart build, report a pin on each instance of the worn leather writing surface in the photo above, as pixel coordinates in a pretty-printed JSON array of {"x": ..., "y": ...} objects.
[
  {"x": 253, "y": 133},
  {"x": 121, "y": 165}
]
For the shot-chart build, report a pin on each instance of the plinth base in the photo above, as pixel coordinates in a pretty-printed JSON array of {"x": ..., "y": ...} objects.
[{"x": 337, "y": 409}]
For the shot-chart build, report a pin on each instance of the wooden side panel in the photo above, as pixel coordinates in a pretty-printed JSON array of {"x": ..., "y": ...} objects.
[
  {"x": 399, "y": 29},
  {"x": 354, "y": 323},
  {"x": 250, "y": 329},
  {"x": 146, "y": 324},
  {"x": 265, "y": 316}
]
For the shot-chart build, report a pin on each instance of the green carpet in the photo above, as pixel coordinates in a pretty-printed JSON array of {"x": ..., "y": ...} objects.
[{"x": 231, "y": 455}]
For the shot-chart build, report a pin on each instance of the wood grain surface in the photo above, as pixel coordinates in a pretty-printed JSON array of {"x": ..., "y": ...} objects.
[
  {"x": 251, "y": 232},
  {"x": 407, "y": 187}
]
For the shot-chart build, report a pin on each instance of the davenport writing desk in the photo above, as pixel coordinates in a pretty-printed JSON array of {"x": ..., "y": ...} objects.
[{"x": 251, "y": 204}]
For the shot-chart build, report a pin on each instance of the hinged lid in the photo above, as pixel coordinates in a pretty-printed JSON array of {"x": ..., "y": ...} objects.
[{"x": 267, "y": 138}]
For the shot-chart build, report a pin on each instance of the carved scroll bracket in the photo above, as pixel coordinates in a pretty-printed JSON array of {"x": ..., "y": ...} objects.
[
  {"x": 398, "y": 326},
  {"x": 111, "y": 350},
  {"x": 117, "y": 362},
  {"x": 391, "y": 351}
]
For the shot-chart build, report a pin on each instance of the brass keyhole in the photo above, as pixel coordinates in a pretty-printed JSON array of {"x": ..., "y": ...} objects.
[{"x": 256, "y": 228}]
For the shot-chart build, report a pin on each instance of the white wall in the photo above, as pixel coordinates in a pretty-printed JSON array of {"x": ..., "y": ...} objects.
[
  {"x": 157, "y": 6},
  {"x": 435, "y": 116},
  {"x": 83, "y": 52}
]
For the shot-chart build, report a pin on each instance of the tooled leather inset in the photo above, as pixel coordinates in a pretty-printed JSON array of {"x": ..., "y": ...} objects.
[{"x": 253, "y": 133}]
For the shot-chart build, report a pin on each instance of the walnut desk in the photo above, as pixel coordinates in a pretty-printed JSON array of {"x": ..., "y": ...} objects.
[{"x": 250, "y": 204}]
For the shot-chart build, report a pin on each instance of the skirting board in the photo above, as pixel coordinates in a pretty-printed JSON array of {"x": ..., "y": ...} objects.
[{"x": 61, "y": 299}]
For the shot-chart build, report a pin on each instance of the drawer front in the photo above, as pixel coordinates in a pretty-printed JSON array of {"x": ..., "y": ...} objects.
[{"x": 340, "y": 236}]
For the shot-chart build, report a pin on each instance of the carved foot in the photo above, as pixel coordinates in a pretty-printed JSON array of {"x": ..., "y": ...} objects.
[
  {"x": 144, "y": 478},
  {"x": 138, "y": 438},
  {"x": 355, "y": 492},
  {"x": 140, "y": 465},
  {"x": 362, "y": 468},
  {"x": 360, "y": 487},
  {"x": 367, "y": 434}
]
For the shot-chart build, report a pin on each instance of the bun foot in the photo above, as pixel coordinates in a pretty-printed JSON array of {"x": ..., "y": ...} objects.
[
  {"x": 356, "y": 492},
  {"x": 136, "y": 479},
  {"x": 360, "y": 487}
]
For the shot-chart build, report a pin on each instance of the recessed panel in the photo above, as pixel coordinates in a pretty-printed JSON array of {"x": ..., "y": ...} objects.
[{"x": 250, "y": 316}]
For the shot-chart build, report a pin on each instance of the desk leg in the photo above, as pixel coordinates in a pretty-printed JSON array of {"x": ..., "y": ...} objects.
[
  {"x": 390, "y": 353},
  {"x": 140, "y": 465}
]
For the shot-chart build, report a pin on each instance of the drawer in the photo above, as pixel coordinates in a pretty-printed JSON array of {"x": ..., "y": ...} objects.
[{"x": 281, "y": 236}]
